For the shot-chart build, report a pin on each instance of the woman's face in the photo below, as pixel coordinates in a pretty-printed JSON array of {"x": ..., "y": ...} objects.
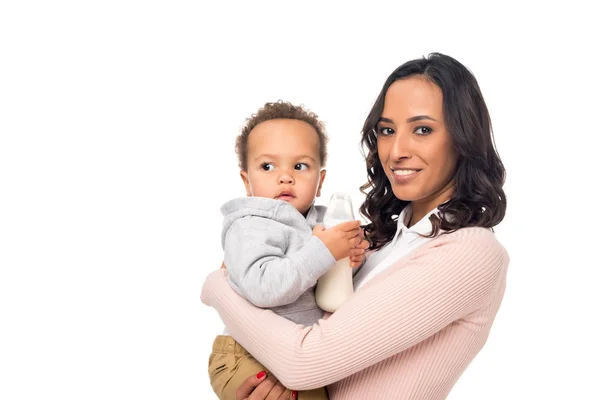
[{"x": 415, "y": 148}]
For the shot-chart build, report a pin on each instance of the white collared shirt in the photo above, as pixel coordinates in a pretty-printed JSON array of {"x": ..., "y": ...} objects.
[{"x": 405, "y": 241}]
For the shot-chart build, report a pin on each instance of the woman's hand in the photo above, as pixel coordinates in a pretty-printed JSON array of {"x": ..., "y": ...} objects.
[{"x": 261, "y": 387}]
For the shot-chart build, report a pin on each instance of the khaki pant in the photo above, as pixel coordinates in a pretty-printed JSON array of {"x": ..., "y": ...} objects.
[{"x": 230, "y": 364}]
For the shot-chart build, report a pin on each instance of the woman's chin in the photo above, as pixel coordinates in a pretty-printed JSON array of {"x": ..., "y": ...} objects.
[{"x": 405, "y": 194}]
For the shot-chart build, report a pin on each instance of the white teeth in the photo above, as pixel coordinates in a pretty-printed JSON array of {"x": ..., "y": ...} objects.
[{"x": 404, "y": 171}]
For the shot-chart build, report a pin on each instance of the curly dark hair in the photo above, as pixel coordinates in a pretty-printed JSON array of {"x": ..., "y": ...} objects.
[
  {"x": 478, "y": 199},
  {"x": 280, "y": 110}
]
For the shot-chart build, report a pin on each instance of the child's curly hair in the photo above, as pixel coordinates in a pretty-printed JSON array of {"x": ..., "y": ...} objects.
[{"x": 280, "y": 110}]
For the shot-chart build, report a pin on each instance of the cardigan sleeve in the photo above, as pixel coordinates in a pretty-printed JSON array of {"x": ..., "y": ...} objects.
[{"x": 445, "y": 280}]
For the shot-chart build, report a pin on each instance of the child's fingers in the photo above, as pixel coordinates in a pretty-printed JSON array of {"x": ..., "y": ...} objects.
[
  {"x": 359, "y": 243},
  {"x": 356, "y": 257},
  {"x": 354, "y": 233},
  {"x": 355, "y": 252},
  {"x": 318, "y": 228},
  {"x": 363, "y": 244},
  {"x": 349, "y": 226}
]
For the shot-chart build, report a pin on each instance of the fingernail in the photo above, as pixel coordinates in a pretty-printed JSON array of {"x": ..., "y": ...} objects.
[
  {"x": 261, "y": 375},
  {"x": 295, "y": 394}
]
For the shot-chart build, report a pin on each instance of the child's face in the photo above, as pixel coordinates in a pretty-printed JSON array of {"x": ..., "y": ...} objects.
[{"x": 283, "y": 163}]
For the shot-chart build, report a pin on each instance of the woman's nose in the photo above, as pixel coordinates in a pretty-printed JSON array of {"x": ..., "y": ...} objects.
[{"x": 401, "y": 147}]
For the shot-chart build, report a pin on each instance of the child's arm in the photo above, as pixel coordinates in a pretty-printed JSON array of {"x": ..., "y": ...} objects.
[{"x": 260, "y": 270}]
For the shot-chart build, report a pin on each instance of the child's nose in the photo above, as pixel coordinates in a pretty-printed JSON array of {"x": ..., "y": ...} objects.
[{"x": 286, "y": 179}]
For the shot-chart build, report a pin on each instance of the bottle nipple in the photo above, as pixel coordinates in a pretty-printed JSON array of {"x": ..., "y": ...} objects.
[{"x": 339, "y": 210}]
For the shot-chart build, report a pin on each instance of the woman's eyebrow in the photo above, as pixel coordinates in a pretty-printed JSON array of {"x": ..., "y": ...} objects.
[
  {"x": 409, "y": 120},
  {"x": 420, "y": 118}
]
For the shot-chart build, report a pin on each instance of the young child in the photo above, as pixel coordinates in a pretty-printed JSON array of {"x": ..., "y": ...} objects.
[{"x": 274, "y": 249}]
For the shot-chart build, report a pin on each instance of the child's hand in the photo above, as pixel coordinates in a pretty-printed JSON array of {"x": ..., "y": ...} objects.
[
  {"x": 340, "y": 239},
  {"x": 357, "y": 254}
]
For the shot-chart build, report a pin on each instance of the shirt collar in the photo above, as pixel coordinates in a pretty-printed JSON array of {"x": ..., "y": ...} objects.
[{"x": 423, "y": 227}]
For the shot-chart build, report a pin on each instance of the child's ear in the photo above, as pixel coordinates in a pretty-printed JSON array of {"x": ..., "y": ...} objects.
[
  {"x": 322, "y": 178},
  {"x": 244, "y": 176}
]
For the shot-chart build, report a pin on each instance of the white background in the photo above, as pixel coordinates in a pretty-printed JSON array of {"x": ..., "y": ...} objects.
[{"x": 117, "y": 123}]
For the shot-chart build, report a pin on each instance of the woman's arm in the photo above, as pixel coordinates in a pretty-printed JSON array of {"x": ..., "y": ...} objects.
[{"x": 436, "y": 285}]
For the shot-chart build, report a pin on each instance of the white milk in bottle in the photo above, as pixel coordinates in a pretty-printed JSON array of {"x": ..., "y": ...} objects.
[{"x": 335, "y": 286}]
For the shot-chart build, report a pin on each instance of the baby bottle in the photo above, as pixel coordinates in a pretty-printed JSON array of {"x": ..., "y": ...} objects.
[{"x": 335, "y": 286}]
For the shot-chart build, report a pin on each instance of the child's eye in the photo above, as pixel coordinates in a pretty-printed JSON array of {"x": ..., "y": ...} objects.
[
  {"x": 301, "y": 167},
  {"x": 267, "y": 166},
  {"x": 423, "y": 130}
]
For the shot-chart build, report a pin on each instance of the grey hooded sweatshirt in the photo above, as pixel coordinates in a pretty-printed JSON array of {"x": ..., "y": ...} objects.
[{"x": 272, "y": 258}]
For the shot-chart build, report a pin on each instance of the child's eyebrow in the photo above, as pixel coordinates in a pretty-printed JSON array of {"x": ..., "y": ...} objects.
[
  {"x": 266, "y": 156},
  {"x": 273, "y": 156},
  {"x": 307, "y": 156}
]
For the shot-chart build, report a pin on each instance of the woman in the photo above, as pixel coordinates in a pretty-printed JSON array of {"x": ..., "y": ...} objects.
[{"x": 432, "y": 284}]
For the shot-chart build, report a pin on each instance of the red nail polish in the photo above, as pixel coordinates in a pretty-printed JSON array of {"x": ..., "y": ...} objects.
[
  {"x": 260, "y": 375},
  {"x": 295, "y": 394}
]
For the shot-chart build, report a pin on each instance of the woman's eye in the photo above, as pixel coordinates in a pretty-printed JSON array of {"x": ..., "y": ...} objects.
[
  {"x": 301, "y": 167},
  {"x": 384, "y": 131},
  {"x": 267, "y": 166},
  {"x": 423, "y": 130}
]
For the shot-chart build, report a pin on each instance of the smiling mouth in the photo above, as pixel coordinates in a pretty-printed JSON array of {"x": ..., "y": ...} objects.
[
  {"x": 404, "y": 175},
  {"x": 405, "y": 172}
]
